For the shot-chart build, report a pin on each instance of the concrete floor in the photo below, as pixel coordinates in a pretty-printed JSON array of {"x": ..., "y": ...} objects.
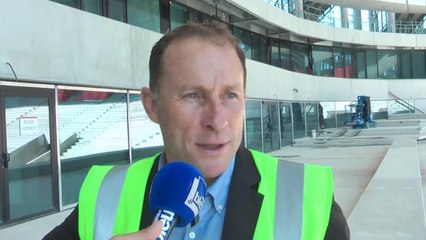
[
  {"x": 379, "y": 177},
  {"x": 353, "y": 168}
]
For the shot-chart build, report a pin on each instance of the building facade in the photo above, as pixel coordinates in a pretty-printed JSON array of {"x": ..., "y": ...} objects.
[{"x": 71, "y": 70}]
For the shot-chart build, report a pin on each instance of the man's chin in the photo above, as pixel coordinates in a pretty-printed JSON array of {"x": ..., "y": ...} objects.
[{"x": 214, "y": 167}]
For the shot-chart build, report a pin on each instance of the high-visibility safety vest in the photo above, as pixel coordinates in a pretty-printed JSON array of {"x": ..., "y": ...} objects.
[{"x": 296, "y": 205}]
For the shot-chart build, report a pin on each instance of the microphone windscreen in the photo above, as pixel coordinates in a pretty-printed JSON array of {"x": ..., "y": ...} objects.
[{"x": 180, "y": 188}]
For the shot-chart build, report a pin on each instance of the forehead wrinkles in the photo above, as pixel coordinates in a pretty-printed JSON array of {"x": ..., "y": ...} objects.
[
  {"x": 187, "y": 49},
  {"x": 174, "y": 50}
]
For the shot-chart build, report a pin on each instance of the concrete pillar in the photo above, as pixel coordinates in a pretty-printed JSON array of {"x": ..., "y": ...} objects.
[
  {"x": 344, "y": 17},
  {"x": 299, "y": 8},
  {"x": 357, "y": 19},
  {"x": 391, "y": 22}
]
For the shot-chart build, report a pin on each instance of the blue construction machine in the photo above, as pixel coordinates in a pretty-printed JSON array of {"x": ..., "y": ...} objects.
[{"x": 360, "y": 115}]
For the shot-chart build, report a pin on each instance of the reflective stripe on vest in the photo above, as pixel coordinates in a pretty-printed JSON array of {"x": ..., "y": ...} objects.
[
  {"x": 108, "y": 200},
  {"x": 289, "y": 201},
  {"x": 298, "y": 205},
  {"x": 119, "y": 189},
  {"x": 87, "y": 200}
]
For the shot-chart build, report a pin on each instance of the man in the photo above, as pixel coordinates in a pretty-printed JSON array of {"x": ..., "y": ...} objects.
[{"x": 197, "y": 96}]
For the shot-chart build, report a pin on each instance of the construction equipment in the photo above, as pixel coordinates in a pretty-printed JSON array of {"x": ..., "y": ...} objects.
[{"x": 360, "y": 115}]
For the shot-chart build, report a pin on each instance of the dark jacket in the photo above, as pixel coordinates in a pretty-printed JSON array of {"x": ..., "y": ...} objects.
[{"x": 243, "y": 207}]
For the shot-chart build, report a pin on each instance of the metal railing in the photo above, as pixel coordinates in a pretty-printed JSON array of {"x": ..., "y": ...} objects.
[
  {"x": 326, "y": 17},
  {"x": 405, "y": 104}
]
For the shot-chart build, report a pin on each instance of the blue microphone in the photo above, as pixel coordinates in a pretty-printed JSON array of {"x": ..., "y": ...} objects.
[{"x": 177, "y": 194}]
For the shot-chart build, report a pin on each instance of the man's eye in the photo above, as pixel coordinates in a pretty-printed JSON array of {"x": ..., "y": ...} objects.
[
  {"x": 191, "y": 95},
  {"x": 232, "y": 95}
]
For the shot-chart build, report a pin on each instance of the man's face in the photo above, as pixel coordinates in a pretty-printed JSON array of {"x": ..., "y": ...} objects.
[{"x": 200, "y": 104}]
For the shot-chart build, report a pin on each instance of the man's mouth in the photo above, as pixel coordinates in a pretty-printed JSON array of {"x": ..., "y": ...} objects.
[{"x": 211, "y": 146}]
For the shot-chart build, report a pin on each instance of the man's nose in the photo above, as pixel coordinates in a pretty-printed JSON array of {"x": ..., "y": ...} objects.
[{"x": 214, "y": 115}]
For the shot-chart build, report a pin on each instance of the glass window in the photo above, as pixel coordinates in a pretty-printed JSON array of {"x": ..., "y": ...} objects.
[
  {"x": 116, "y": 10},
  {"x": 255, "y": 46},
  {"x": 245, "y": 38},
  {"x": 253, "y": 125},
  {"x": 178, "y": 15},
  {"x": 419, "y": 66},
  {"x": 271, "y": 129},
  {"x": 300, "y": 58},
  {"x": 206, "y": 18},
  {"x": 379, "y": 109},
  {"x": 322, "y": 61},
  {"x": 27, "y": 123},
  {"x": 401, "y": 106},
  {"x": 285, "y": 55},
  {"x": 93, "y": 6},
  {"x": 259, "y": 48},
  {"x": 145, "y": 136},
  {"x": 145, "y": 14},
  {"x": 298, "y": 120},
  {"x": 264, "y": 49},
  {"x": 349, "y": 64},
  {"x": 311, "y": 114},
  {"x": 371, "y": 64},
  {"x": 285, "y": 124},
  {"x": 92, "y": 130},
  {"x": 165, "y": 10},
  {"x": 343, "y": 113},
  {"x": 339, "y": 67},
  {"x": 70, "y": 3},
  {"x": 194, "y": 16},
  {"x": 404, "y": 65},
  {"x": 360, "y": 64},
  {"x": 327, "y": 115},
  {"x": 275, "y": 53},
  {"x": 387, "y": 64}
]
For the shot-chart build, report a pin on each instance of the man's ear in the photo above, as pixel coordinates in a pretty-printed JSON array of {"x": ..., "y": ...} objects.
[{"x": 149, "y": 104}]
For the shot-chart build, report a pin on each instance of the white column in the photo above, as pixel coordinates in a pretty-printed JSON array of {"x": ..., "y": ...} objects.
[
  {"x": 299, "y": 8},
  {"x": 344, "y": 17},
  {"x": 391, "y": 22}
]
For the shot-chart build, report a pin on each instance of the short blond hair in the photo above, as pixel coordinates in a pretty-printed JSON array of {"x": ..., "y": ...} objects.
[{"x": 217, "y": 33}]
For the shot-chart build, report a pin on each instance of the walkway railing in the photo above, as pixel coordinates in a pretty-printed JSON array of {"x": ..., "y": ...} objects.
[{"x": 327, "y": 17}]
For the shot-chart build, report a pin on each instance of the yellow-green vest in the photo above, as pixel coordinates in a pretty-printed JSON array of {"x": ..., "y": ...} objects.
[{"x": 296, "y": 205}]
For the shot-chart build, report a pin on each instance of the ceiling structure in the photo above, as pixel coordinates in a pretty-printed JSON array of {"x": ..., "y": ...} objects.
[{"x": 397, "y": 6}]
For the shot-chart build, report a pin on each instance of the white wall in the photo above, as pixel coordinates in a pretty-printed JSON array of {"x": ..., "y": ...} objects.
[
  {"x": 46, "y": 41},
  {"x": 408, "y": 88}
]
